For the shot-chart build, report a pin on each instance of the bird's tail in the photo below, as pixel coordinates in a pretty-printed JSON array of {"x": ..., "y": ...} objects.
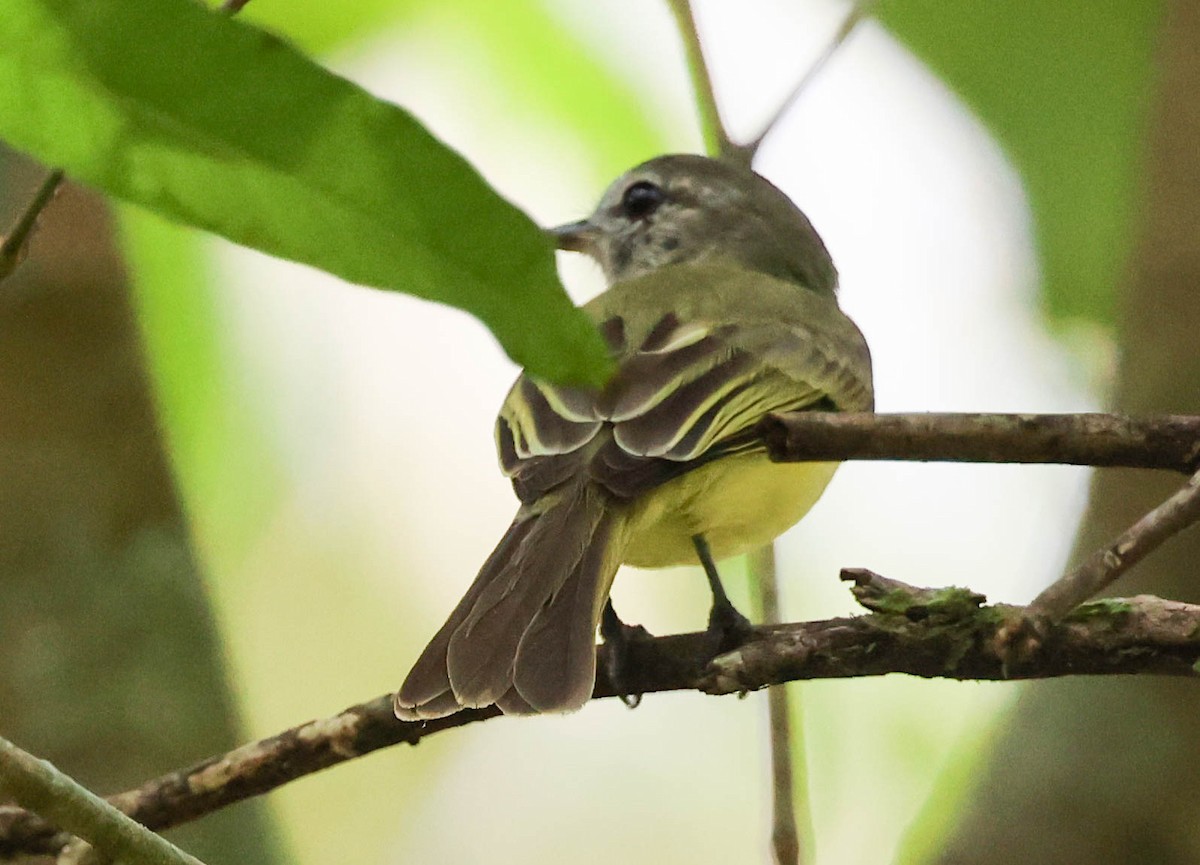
[{"x": 524, "y": 635}]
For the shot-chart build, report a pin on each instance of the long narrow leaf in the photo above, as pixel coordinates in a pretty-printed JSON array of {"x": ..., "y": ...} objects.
[{"x": 216, "y": 124}]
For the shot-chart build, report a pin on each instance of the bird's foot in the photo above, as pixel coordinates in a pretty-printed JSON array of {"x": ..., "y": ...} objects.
[
  {"x": 618, "y": 643},
  {"x": 727, "y": 628}
]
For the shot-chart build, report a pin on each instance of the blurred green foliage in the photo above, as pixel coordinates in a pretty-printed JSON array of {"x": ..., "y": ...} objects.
[
  {"x": 1064, "y": 88},
  {"x": 219, "y": 450}
]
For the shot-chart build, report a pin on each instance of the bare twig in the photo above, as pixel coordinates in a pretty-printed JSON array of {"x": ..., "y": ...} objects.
[
  {"x": 1163, "y": 442},
  {"x": 787, "y": 749},
  {"x": 860, "y": 10},
  {"x": 923, "y": 632},
  {"x": 14, "y": 246},
  {"x": 233, "y": 7},
  {"x": 44, "y": 790},
  {"x": 716, "y": 135},
  {"x": 1102, "y": 568},
  {"x": 251, "y": 770}
]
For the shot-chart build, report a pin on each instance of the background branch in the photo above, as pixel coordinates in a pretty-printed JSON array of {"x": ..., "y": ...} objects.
[
  {"x": 40, "y": 787},
  {"x": 717, "y": 138},
  {"x": 14, "y": 245},
  {"x": 1102, "y": 568},
  {"x": 1103, "y": 440},
  {"x": 859, "y": 10},
  {"x": 945, "y": 633},
  {"x": 789, "y": 770},
  {"x": 716, "y": 135}
]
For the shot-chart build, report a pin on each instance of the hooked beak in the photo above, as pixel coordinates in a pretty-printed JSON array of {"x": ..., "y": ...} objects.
[{"x": 578, "y": 236}]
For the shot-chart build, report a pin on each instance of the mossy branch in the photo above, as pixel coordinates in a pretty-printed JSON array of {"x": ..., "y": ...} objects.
[{"x": 943, "y": 633}]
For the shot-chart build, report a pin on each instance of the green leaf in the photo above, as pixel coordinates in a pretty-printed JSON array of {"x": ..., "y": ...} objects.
[
  {"x": 318, "y": 27},
  {"x": 1064, "y": 87},
  {"x": 221, "y": 126},
  {"x": 547, "y": 72}
]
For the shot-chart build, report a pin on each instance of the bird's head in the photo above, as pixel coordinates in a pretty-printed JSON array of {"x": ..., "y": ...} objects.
[{"x": 685, "y": 209}]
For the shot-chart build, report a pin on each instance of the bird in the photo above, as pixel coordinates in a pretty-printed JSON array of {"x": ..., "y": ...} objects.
[{"x": 721, "y": 307}]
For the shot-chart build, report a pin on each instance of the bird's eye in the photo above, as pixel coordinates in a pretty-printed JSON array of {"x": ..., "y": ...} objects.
[{"x": 642, "y": 199}]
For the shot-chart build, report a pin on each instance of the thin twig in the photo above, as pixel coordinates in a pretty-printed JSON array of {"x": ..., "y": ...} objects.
[
  {"x": 42, "y": 789},
  {"x": 1105, "y": 565},
  {"x": 233, "y": 7},
  {"x": 713, "y": 129},
  {"x": 1162, "y": 442},
  {"x": 943, "y": 633},
  {"x": 788, "y": 769},
  {"x": 15, "y": 245},
  {"x": 785, "y": 838},
  {"x": 860, "y": 10}
]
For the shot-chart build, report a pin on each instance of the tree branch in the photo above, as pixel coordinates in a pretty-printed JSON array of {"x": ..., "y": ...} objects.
[
  {"x": 251, "y": 770},
  {"x": 1105, "y": 565},
  {"x": 1105, "y": 440},
  {"x": 946, "y": 633},
  {"x": 1101, "y": 569},
  {"x": 14, "y": 246},
  {"x": 40, "y": 787}
]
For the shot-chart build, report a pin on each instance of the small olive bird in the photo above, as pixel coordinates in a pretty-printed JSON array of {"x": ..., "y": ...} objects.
[{"x": 720, "y": 308}]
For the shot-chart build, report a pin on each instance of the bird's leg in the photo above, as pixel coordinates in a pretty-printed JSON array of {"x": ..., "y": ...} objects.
[
  {"x": 726, "y": 625},
  {"x": 618, "y": 639}
]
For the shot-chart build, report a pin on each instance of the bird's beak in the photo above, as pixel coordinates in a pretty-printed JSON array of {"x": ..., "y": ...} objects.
[{"x": 578, "y": 236}]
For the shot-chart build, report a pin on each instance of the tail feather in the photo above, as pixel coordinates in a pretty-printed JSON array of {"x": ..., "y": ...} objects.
[
  {"x": 427, "y": 687},
  {"x": 524, "y": 634},
  {"x": 483, "y": 650},
  {"x": 556, "y": 660},
  {"x": 512, "y": 704}
]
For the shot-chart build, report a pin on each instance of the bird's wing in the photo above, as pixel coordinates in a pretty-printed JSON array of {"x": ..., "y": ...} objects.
[{"x": 684, "y": 392}]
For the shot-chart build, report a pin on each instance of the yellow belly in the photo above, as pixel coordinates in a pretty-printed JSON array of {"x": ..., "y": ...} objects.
[{"x": 738, "y": 503}]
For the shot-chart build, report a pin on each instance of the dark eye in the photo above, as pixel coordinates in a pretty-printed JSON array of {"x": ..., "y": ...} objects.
[{"x": 641, "y": 199}]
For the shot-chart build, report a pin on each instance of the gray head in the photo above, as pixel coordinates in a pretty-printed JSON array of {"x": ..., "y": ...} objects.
[{"x": 686, "y": 209}]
